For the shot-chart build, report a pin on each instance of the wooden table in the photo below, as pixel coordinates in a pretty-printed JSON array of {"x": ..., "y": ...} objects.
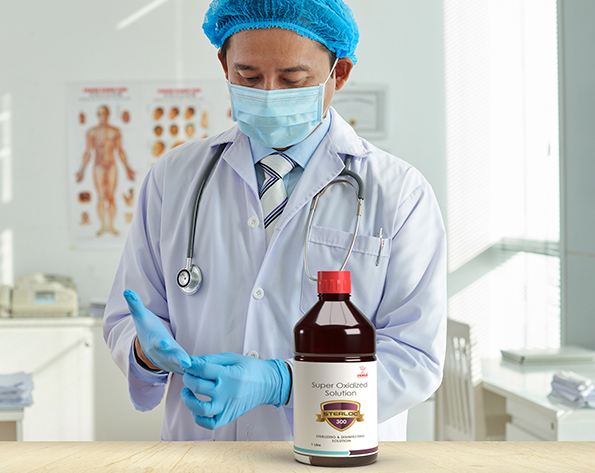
[{"x": 262, "y": 457}]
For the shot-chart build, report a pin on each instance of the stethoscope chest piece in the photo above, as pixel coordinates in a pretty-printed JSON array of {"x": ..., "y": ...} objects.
[{"x": 189, "y": 279}]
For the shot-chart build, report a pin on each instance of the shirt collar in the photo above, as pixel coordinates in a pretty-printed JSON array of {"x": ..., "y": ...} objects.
[{"x": 300, "y": 152}]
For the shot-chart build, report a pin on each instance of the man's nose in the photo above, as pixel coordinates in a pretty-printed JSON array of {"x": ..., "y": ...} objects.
[{"x": 271, "y": 83}]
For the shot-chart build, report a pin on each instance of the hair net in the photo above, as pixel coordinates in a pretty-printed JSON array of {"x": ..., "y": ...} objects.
[{"x": 329, "y": 22}]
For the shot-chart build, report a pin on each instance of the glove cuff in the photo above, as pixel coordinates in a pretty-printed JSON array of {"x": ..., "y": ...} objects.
[{"x": 284, "y": 390}]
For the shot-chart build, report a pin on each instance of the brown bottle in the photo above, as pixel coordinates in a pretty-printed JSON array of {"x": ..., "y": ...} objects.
[{"x": 335, "y": 384}]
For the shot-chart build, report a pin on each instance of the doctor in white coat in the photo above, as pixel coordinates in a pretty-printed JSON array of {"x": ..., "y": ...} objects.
[{"x": 224, "y": 353}]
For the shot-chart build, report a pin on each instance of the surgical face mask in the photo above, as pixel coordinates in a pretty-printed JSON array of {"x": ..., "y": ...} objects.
[{"x": 278, "y": 118}]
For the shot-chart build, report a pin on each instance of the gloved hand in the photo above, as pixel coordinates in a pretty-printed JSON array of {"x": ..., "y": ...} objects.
[
  {"x": 235, "y": 384},
  {"x": 157, "y": 343}
]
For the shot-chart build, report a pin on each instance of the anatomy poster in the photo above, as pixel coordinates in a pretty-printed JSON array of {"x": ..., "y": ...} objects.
[{"x": 116, "y": 133}]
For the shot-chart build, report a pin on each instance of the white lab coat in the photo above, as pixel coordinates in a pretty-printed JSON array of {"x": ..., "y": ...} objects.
[{"x": 252, "y": 296}]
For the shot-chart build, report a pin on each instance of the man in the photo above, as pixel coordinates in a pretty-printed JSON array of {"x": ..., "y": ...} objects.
[
  {"x": 226, "y": 350},
  {"x": 103, "y": 140}
]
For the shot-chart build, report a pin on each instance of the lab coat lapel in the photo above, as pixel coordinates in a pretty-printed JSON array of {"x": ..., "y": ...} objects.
[
  {"x": 324, "y": 166},
  {"x": 239, "y": 156}
]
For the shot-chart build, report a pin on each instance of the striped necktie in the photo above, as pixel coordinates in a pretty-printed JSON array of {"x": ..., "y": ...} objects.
[{"x": 273, "y": 194}]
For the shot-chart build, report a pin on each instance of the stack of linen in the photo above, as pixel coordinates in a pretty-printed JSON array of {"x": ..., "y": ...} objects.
[
  {"x": 573, "y": 389},
  {"x": 15, "y": 390}
]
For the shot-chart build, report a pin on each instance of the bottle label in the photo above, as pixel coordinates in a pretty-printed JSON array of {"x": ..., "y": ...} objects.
[{"x": 335, "y": 408}]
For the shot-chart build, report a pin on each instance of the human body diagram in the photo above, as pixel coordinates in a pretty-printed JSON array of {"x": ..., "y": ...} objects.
[{"x": 102, "y": 142}]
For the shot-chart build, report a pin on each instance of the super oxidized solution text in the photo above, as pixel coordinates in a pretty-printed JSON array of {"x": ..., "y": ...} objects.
[{"x": 335, "y": 383}]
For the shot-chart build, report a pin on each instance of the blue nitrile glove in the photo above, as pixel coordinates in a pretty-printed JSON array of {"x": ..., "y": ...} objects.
[
  {"x": 157, "y": 343},
  {"x": 235, "y": 384}
]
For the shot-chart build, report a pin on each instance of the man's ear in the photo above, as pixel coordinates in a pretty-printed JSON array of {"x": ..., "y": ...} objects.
[
  {"x": 223, "y": 62},
  {"x": 342, "y": 72}
]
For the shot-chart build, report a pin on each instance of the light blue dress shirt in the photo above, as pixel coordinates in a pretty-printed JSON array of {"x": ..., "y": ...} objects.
[{"x": 300, "y": 153}]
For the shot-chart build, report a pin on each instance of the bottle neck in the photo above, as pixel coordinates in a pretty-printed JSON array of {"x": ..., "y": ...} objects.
[{"x": 334, "y": 297}]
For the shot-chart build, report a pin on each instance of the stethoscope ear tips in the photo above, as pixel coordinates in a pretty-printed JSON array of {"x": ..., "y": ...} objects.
[{"x": 189, "y": 280}]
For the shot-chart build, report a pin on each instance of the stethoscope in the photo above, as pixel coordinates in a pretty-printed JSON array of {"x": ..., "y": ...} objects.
[{"x": 189, "y": 278}]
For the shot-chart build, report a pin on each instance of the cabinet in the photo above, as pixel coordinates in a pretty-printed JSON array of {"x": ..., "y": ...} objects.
[
  {"x": 528, "y": 413},
  {"x": 79, "y": 392},
  {"x": 11, "y": 425},
  {"x": 59, "y": 354}
]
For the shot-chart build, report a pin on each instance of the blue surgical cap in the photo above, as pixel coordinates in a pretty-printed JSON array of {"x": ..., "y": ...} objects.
[{"x": 329, "y": 22}]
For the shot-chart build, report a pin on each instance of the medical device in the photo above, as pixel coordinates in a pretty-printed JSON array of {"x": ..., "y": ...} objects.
[
  {"x": 360, "y": 202},
  {"x": 40, "y": 295},
  {"x": 189, "y": 278}
]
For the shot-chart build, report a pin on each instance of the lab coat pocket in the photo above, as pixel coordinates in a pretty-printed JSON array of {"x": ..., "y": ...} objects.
[{"x": 327, "y": 249}]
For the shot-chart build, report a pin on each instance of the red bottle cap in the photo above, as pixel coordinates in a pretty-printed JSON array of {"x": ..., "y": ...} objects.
[{"x": 334, "y": 282}]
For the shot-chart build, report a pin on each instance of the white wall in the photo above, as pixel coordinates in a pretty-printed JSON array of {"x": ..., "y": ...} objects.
[
  {"x": 577, "y": 138},
  {"x": 45, "y": 44}
]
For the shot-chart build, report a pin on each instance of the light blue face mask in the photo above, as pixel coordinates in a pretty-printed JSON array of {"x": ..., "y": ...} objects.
[{"x": 277, "y": 118}]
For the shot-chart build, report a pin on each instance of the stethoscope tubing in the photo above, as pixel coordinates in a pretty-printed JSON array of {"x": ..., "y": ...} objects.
[
  {"x": 189, "y": 278},
  {"x": 360, "y": 202},
  {"x": 201, "y": 186}
]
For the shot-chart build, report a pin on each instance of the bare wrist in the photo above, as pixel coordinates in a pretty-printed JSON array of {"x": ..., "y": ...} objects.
[{"x": 140, "y": 356}]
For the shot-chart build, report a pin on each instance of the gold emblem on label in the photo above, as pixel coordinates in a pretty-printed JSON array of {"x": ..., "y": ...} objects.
[{"x": 340, "y": 415}]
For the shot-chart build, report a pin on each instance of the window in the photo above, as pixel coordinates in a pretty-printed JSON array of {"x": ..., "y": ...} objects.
[{"x": 503, "y": 171}]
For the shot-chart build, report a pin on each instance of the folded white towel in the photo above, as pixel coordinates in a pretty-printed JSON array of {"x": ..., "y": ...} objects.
[
  {"x": 15, "y": 390},
  {"x": 574, "y": 380},
  {"x": 15, "y": 379},
  {"x": 573, "y": 389}
]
